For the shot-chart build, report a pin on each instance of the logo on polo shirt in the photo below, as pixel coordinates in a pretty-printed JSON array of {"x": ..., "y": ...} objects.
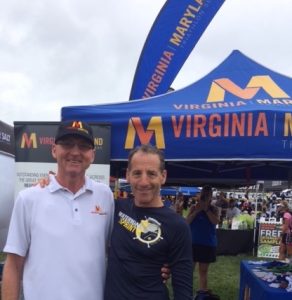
[{"x": 98, "y": 210}]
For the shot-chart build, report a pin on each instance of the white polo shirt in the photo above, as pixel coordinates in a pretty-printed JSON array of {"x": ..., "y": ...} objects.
[{"x": 64, "y": 237}]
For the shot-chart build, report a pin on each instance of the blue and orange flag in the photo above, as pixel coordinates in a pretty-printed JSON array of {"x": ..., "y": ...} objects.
[{"x": 175, "y": 32}]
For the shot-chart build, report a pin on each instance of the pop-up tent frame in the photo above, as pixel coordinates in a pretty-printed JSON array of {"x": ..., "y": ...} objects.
[{"x": 233, "y": 126}]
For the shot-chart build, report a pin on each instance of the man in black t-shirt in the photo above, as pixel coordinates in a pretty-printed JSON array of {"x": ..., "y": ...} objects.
[{"x": 146, "y": 235}]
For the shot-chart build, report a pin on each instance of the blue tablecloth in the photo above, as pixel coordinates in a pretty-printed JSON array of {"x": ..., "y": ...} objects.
[{"x": 258, "y": 288}]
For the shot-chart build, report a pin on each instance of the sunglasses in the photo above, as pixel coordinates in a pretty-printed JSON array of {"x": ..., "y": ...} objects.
[{"x": 68, "y": 145}]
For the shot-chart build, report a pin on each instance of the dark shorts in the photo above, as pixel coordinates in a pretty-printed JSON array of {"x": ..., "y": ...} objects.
[
  {"x": 204, "y": 254},
  {"x": 284, "y": 237},
  {"x": 286, "y": 240}
]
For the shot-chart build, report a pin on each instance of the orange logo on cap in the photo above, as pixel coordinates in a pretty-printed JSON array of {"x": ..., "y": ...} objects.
[{"x": 77, "y": 124}]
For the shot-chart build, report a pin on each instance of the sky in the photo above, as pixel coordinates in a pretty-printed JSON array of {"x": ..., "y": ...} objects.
[{"x": 56, "y": 53}]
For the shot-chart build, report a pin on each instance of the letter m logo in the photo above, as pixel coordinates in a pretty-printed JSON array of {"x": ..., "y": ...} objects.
[
  {"x": 28, "y": 142},
  {"x": 222, "y": 85},
  {"x": 135, "y": 128},
  {"x": 76, "y": 124}
]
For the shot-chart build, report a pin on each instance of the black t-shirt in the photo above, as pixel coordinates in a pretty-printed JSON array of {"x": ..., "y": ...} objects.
[{"x": 143, "y": 239}]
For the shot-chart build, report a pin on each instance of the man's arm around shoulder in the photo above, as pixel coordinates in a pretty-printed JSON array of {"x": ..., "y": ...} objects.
[{"x": 12, "y": 276}]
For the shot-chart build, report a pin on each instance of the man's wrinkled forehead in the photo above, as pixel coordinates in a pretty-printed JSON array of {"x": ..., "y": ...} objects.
[{"x": 136, "y": 161}]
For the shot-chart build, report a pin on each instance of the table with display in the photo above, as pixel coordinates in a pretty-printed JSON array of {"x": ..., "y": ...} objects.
[
  {"x": 233, "y": 242},
  {"x": 254, "y": 288}
]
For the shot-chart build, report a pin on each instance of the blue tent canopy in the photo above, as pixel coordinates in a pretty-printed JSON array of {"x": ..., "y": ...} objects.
[
  {"x": 235, "y": 123},
  {"x": 168, "y": 191},
  {"x": 189, "y": 191},
  {"x": 185, "y": 190}
]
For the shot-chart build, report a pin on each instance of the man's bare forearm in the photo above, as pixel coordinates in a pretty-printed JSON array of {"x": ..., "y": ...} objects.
[{"x": 12, "y": 275}]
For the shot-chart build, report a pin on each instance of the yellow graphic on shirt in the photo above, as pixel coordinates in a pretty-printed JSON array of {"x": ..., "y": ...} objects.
[
  {"x": 148, "y": 231},
  {"x": 127, "y": 222}
]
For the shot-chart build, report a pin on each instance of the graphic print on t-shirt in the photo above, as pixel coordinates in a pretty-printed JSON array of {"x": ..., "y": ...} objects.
[{"x": 148, "y": 231}]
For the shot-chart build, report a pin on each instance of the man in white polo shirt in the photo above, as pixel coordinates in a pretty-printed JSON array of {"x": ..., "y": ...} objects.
[{"x": 59, "y": 233}]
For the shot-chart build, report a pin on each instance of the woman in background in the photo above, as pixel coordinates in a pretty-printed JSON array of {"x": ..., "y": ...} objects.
[
  {"x": 284, "y": 212},
  {"x": 203, "y": 218}
]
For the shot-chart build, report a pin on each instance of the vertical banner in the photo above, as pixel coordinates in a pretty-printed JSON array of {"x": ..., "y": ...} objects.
[
  {"x": 173, "y": 35},
  {"x": 269, "y": 239},
  {"x": 33, "y": 143}
]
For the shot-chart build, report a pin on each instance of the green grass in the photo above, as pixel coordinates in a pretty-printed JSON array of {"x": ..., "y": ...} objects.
[{"x": 223, "y": 276}]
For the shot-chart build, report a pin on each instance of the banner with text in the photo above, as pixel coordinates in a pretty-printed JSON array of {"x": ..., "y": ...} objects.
[
  {"x": 269, "y": 239},
  {"x": 6, "y": 139},
  {"x": 174, "y": 34},
  {"x": 240, "y": 103},
  {"x": 33, "y": 143}
]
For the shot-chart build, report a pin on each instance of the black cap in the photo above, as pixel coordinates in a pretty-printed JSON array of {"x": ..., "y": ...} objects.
[{"x": 75, "y": 128}]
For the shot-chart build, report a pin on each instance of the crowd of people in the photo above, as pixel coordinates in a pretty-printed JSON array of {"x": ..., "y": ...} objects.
[
  {"x": 69, "y": 238},
  {"x": 244, "y": 210},
  {"x": 230, "y": 206}
]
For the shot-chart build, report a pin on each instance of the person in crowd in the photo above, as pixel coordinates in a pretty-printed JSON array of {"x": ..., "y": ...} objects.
[
  {"x": 203, "y": 218},
  {"x": 231, "y": 212},
  {"x": 273, "y": 206},
  {"x": 246, "y": 195},
  {"x": 285, "y": 213},
  {"x": 246, "y": 207},
  {"x": 167, "y": 201},
  {"x": 222, "y": 204},
  {"x": 264, "y": 204},
  {"x": 264, "y": 213},
  {"x": 59, "y": 233},
  {"x": 146, "y": 235},
  {"x": 186, "y": 206},
  {"x": 179, "y": 204},
  {"x": 259, "y": 205}
]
